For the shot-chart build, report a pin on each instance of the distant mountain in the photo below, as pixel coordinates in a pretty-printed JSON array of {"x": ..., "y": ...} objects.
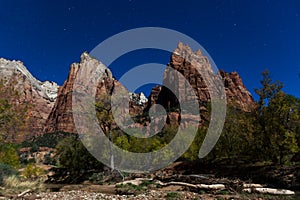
[{"x": 39, "y": 95}]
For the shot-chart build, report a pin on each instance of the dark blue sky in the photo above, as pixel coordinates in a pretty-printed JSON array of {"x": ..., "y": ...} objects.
[{"x": 242, "y": 36}]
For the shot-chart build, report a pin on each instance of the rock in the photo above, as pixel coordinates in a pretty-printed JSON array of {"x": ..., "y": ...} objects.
[
  {"x": 39, "y": 96},
  {"x": 53, "y": 107},
  {"x": 61, "y": 118},
  {"x": 181, "y": 60},
  {"x": 184, "y": 60}
]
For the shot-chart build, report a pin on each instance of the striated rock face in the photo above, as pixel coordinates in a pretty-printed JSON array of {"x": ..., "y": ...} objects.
[
  {"x": 236, "y": 93},
  {"x": 181, "y": 60},
  {"x": 52, "y": 106},
  {"x": 39, "y": 96},
  {"x": 61, "y": 118}
]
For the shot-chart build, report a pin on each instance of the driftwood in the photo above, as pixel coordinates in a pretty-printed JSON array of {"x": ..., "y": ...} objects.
[
  {"x": 269, "y": 191},
  {"x": 136, "y": 181},
  {"x": 23, "y": 193},
  {"x": 245, "y": 187},
  {"x": 196, "y": 186},
  {"x": 252, "y": 185},
  {"x": 211, "y": 187}
]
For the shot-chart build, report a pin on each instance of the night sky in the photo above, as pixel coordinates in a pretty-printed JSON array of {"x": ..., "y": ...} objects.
[{"x": 243, "y": 36}]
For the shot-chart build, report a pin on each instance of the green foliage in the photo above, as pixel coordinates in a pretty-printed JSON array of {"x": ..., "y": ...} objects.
[
  {"x": 12, "y": 112},
  {"x": 237, "y": 139},
  {"x": 104, "y": 115},
  {"x": 46, "y": 140},
  {"x": 131, "y": 189},
  {"x": 6, "y": 171},
  {"x": 9, "y": 155},
  {"x": 32, "y": 172},
  {"x": 277, "y": 122},
  {"x": 268, "y": 90},
  {"x": 193, "y": 151},
  {"x": 72, "y": 155},
  {"x": 172, "y": 195},
  {"x": 281, "y": 124},
  {"x": 15, "y": 185},
  {"x": 48, "y": 160},
  {"x": 269, "y": 133}
]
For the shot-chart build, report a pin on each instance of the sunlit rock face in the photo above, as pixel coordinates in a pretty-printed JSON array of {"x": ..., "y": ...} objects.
[
  {"x": 39, "y": 96},
  {"x": 184, "y": 60},
  {"x": 52, "y": 105},
  {"x": 61, "y": 117}
]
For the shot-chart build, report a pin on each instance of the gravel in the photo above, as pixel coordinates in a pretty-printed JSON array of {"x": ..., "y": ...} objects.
[{"x": 85, "y": 195}]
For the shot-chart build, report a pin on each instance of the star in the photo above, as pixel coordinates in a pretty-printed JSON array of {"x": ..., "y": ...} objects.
[{"x": 71, "y": 8}]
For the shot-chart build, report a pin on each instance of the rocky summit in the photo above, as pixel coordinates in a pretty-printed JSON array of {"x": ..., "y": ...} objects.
[
  {"x": 182, "y": 61},
  {"x": 61, "y": 118},
  {"x": 39, "y": 95}
]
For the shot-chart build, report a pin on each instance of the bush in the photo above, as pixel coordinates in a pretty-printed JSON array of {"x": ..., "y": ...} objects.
[
  {"x": 9, "y": 155},
  {"x": 15, "y": 185},
  {"x": 48, "y": 160},
  {"x": 6, "y": 171},
  {"x": 73, "y": 155},
  {"x": 32, "y": 172},
  {"x": 46, "y": 140},
  {"x": 172, "y": 195}
]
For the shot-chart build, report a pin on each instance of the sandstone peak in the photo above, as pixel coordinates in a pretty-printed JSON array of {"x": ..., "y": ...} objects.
[
  {"x": 188, "y": 63},
  {"x": 61, "y": 117},
  {"x": 85, "y": 56},
  {"x": 184, "y": 49},
  {"x": 40, "y": 96},
  {"x": 8, "y": 69}
]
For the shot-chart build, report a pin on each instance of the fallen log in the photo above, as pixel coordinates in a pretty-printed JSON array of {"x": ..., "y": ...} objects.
[
  {"x": 211, "y": 187},
  {"x": 197, "y": 186},
  {"x": 23, "y": 193},
  {"x": 269, "y": 191},
  {"x": 181, "y": 184},
  {"x": 136, "y": 181},
  {"x": 252, "y": 185},
  {"x": 250, "y": 188}
]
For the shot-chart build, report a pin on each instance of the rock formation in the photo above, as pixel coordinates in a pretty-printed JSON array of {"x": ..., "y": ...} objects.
[
  {"x": 182, "y": 61},
  {"x": 53, "y": 107},
  {"x": 39, "y": 96},
  {"x": 61, "y": 118}
]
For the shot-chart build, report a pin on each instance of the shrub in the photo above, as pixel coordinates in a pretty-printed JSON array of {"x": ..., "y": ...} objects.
[
  {"x": 32, "y": 172},
  {"x": 9, "y": 155},
  {"x": 6, "y": 171},
  {"x": 172, "y": 195},
  {"x": 73, "y": 155},
  {"x": 16, "y": 185}
]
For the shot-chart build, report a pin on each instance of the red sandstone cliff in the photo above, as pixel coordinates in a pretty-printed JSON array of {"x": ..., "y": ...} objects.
[{"x": 181, "y": 60}]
